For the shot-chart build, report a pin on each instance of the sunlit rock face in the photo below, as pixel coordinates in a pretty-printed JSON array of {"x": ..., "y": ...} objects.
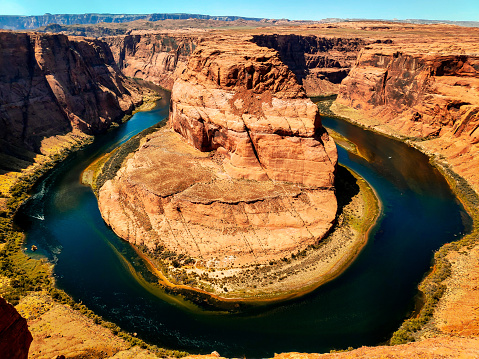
[
  {"x": 422, "y": 92},
  {"x": 52, "y": 84},
  {"x": 243, "y": 174},
  {"x": 241, "y": 100}
]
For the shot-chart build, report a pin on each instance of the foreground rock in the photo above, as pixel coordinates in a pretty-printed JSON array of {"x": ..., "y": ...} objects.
[
  {"x": 15, "y": 338},
  {"x": 257, "y": 184},
  {"x": 61, "y": 332},
  {"x": 444, "y": 348}
]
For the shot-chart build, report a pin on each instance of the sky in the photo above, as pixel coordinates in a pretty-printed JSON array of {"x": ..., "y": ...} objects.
[{"x": 466, "y": 10}]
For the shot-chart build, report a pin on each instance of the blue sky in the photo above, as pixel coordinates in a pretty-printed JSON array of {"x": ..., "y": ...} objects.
[{"x": 291, "y": 9}]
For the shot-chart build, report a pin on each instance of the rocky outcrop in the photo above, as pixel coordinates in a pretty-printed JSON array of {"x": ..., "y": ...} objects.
[
  {"x": 429, "y": 95},
  {"x": 319, "y": 63},
  {"x": 243, "y": 174},
  {"x": 51, "y": 85},
  {"x": 152, "y": 57},
  {"x": 173, "y": 198},
  {"x": 15, "y": 338},
  {"x": 241, "y": 100}
]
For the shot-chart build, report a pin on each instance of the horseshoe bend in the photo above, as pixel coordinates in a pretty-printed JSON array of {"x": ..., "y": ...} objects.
[
  {"x": 238, "y": 197},
  {"x": 235, "y": 193}
]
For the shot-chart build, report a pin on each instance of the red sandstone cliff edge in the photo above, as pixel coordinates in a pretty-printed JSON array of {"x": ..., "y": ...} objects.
[
  {"x": 15, "y": 338},
  {"x": 52, "y": 85},
  {"x": 427, "y": 94}
]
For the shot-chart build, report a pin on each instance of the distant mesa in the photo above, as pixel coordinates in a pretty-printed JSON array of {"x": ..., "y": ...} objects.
[{"x": 17, "y": 22}]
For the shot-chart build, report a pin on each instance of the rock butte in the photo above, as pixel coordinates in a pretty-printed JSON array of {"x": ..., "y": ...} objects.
[{"x": 256, "y": 181}]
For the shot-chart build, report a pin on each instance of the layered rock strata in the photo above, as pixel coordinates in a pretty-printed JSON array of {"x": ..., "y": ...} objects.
[
  {"x": 244, "y": 174},
  {"x": 171, "y": 197},
  {"x": 319, "y": 63},
  {"x": 241, "y": 100},
  {"x": 152, "y": 57},
  {"x": 52, "y": 85},
  {"x": 15, "y": 338},
  {"x": 428, "y": 94}
]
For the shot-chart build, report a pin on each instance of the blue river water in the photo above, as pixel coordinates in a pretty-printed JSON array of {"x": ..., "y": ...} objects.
[{"x": 363, "y": 306}]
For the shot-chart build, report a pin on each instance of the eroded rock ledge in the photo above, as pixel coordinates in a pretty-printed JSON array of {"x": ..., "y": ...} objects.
[
  {"x": 427, "y": 93},
  {"x": 242, "y": 177}
]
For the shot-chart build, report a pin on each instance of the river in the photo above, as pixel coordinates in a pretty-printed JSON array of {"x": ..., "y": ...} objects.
[{"x": 361, "y": 307}]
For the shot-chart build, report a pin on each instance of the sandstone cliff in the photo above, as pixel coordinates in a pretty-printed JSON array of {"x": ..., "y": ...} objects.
[
  {"x": 257, "y": 182},
  {"x": 428, "y": 94},
  {"x": 152, "y": 57},
  {"x": 15, "y": 338},
  {"x": 52, "y": 85},
  {"x": 319, "y": 63},
  {"x": 243, "y": 101}
]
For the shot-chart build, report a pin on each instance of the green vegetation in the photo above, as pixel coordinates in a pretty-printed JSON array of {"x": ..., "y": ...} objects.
[
  {"x": 324, "y": 103},
  {"x": 112, "y": 163},
  {"x": 25, "y": 274}
]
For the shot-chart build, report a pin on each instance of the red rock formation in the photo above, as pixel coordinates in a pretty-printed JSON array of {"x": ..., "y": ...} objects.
[
  {"x": 171, "y": 197},
  {"x": 241, "y": 100},
  {"x": 422, "y": 95},
  {"x": 15, "y": 338},
  {"x": 152, "y": 57},
  {"x": 50, "y": 85},
  {"x": 319, "y": 63},
  {"x": 258, "y": 183}
]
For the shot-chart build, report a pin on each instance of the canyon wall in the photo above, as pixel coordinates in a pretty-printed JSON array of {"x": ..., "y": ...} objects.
[
  {"x": 319, "y": 63},
  {"x": 52, "y": 85},
  {"x": 15, "y": 338},
  {"x": 426, "y": 94},
  {"x": 152, "y": 57}
]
